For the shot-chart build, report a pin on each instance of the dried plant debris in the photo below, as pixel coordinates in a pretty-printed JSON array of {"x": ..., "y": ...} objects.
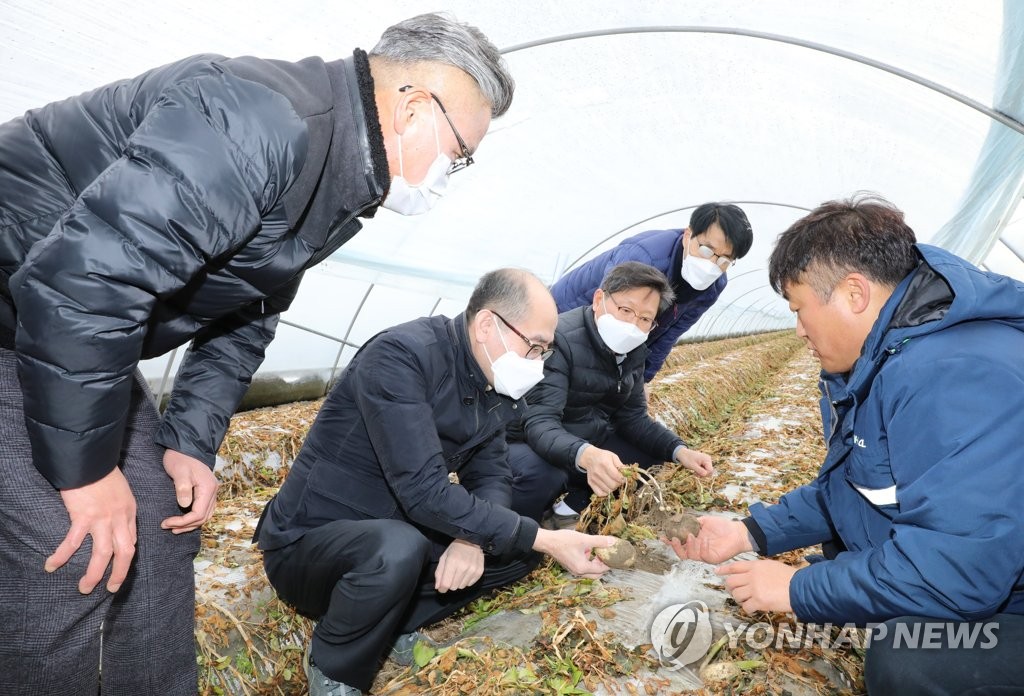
[
  {"x": 260, "y": 446},
  {"x": 757, "y": 417},
  {"x": 568, "y": 657}
]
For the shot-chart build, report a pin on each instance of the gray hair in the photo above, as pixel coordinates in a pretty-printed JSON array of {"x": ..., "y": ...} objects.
[
  {"x": 505, "y": 291},
  {"x": 633, "y": 274},
  {"x": 439, "y": 38}
]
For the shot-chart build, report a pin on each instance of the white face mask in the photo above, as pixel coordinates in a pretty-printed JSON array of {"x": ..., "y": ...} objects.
[
  {"x": 514, "y": 375},
  {"x": 700, "y": 273},
  {"x": 620, "y": 336},
  {"x": 409, "y": 199}
]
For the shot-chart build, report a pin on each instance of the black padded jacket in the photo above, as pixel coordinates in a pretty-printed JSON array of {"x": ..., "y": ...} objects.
[
  {"x": 183, "y": 204},
  {"x": 585, "y": 396}
]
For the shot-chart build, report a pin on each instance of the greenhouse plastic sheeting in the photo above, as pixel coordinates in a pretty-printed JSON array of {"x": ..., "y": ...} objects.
[{"x": 642, "y": 112}]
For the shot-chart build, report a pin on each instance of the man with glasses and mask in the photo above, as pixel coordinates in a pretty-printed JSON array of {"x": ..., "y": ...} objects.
[
  {"x": 695, "y": 260},
  {"x": 588, "y": 417},
  {"x": 180, "y": 206},
  {"x": 399, "y": 509},
  {"x": 917, "y": 504}
]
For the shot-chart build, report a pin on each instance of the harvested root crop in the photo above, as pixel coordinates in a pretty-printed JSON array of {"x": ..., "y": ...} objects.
[
  {"x": 621, "y": 554},
  {"x": 720, "y": 672},
  {"x": 680, "y": 526}
]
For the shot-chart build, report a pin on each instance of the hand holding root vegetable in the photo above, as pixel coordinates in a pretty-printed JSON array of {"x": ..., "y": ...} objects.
[
  {"x": 715, "y": 540},
  {"x": 708, "y": 538},
  {"x": 621, "y": 554},
  {"x": 573, "y": 550},
  {"x": 680, "y": 526}
]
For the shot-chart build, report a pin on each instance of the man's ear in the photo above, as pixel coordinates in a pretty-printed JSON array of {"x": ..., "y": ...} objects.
[
  {"x": 409, "y": 104},
  {"x": 598, "y": 297},
  {"x": 483, "y": 325},
  {"x": 856, "y": 289}
]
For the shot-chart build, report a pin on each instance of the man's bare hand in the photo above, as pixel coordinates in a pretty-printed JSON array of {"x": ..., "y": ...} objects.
[
  {"x": 574, "y": 550},
  {"x": 603, "y": 470},
  {"x": 761, "y": 585},
  {"x": 104, "y": 510},
  {"x": 697, "y": 462},
  {"x": 195, "y": 486},
  {"x": 719, "y": 540},
  {"x": 461, "y": 565}
]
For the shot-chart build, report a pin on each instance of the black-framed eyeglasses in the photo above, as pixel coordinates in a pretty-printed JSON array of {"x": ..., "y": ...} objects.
[
  {"x": 646, "y": 324},
  {"x": 536, "y": 350},
  {"x": 720, "y": 260},
  {"x": 466, "y": 159}
]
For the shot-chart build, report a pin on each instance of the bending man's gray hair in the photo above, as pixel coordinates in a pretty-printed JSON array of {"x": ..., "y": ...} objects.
[
  {"x": 633, "y": 274},
  {"x": 438, "y": 37}
]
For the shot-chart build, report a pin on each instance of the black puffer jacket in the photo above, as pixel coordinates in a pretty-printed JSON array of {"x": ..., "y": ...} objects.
[
  {"x": 585, "y": 397},
  {"x": 184, "y": 203}
]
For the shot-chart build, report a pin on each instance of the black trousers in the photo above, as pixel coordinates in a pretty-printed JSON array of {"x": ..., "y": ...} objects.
[
  {"x": 51, "y": 634},
  {"x": 916, "y": 656},
  {"x": 367, "y": 581},
  {"x": 536, "y": 482}
]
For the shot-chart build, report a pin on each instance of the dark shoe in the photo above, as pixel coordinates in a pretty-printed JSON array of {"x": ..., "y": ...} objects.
[
  {"x": 402, "y": 650},
  {"x": 322, "y": 685},
  {"x": 552, "y": 520}
]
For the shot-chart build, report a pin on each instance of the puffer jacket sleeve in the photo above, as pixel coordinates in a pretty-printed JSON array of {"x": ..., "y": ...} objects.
[
  {"x": 545, "y": 405},
  {"x": 215, "y": 374},
  {"x": 688, "y": 316},
  {"x": 211, "y": 156},
  {"x": 956, "y": 549},
  {"x": 577, "y": 287},
  {"x": 634, "y": 424}
]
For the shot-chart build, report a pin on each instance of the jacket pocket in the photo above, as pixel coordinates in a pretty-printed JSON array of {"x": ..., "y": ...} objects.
[
  {"x": 871, "y": 476},
  {"x": 352, "y": 487}
]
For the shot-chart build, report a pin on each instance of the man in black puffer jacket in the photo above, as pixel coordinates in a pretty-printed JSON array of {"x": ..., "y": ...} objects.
[
  {"x": 180, "y": 205},
  {"x": 588, "y": 417}
]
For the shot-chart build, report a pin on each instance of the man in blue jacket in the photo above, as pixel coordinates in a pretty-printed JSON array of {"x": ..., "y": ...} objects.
[
  {"x": 371, "y": 535},
  {"x": 695, "y": 260},
  {"x": 918, "y": 503},
  {"x": 179, "y": 206}
]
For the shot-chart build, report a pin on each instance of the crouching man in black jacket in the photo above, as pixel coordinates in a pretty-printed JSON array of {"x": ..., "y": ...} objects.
[
  {"x": 369, "y": 534},
  {"x": 588, "y": 417}
]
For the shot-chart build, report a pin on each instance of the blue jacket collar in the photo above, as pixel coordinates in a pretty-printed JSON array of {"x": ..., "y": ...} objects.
[{"x": 942, "y": 291}]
